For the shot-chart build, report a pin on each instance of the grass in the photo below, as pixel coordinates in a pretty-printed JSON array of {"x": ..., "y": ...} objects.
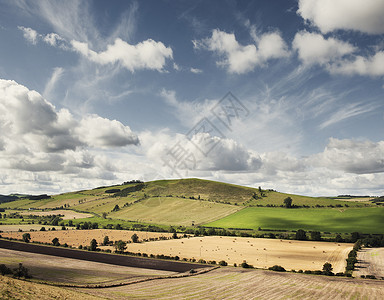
[
  {"x": 174, "y": 211},
  {"x": 364, "y": 220}
]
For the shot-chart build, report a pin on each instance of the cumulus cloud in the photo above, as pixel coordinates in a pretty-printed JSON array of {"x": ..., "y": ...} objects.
[
  {"x": 39, "y": 128},
  {"x": 196, "y": 71},
  {"x": 29, "y": 34},
  {"x": 242, "y": 59},
  {"x": 329, "y": 15},
  {"x": 313, "y": 48},
  {"x": 148, "y": 54},
  {"x": 359, "y": 157},
  {"x": 364, "y": 66},
  {"x": 100, "y": 132}
]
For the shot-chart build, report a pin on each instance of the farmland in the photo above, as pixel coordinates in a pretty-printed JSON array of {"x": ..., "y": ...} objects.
[
  {"x": 365, "y": 220},
  {"x": 261, "y": 253},
  {"x": 370, "y": 262},
  {"x": 76, "y": 238}
]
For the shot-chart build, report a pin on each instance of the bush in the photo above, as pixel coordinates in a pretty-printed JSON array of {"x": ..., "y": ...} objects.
[
  {"x": 277, "y": 268},
  {"x": 246, "y": 266},
  {"x": 223, "y": 263}
]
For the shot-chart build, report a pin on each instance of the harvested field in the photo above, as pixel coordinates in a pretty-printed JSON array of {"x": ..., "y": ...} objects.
[
  {"x": 370, "y": 262},
  {"x": 113, "y": 259},
  {"x": 238, "y": 283},
  {"x": 16, "y": 289},
  {"x": 76, "y": 238},
  {"x": 74, "y": 271},
  {"x": 67, "y": 214},
  {"x": 261, "y": 253},
  {"x": 25, "y": 227}
]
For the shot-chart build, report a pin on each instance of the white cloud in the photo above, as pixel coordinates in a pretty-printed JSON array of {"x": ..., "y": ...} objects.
[
  {"x": 346, "y": 112},
  {"x": 29, "y": 34},
  {"x": 196, "y": 71},
  {"x": 313, "y": 48},
  {"x": 100, "y": 132},
  {"x": 360, "y": 157},
  {"x": 148, "y": 54},
  {"x": 243, "y": 59},
  {"x": 364, "y": 66},
  {"x": 35, "y": 123},
  {"x": 329, "y": 15}
]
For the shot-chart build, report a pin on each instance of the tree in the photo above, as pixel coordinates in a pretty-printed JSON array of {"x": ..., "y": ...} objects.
[
  {"x": 93, "y": 245},
  {"x": 106, "y": 240},
  {"x": 116, "y": 208},
  {"x": 327, "y": 269},
  {"x": 55, "y": 242},
  {"x": 301, "y": 235},
  {"x": 339, "y": 239},
  {"x": 26, "y": 237},
  {"x": 288, "y": 202},
  {"x": 4, "y": 270},
  {"x": 120, "y": 246},
  {"x": 135, "y": 238},
  {"x": 42, "y": 228},
  {"x": 104, "y": 215},
  {"x": 21, "y": 271},
  {"x": 315, "y": 236}
]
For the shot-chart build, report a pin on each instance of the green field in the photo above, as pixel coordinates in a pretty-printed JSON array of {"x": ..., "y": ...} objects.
[
  {"x": 195, "y": 201},
  {"x": 174, "y": 211},
  {"x": 364, "y": 220}
]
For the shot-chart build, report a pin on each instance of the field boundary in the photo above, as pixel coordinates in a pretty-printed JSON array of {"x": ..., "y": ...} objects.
[{"x": 114, "y": 259}]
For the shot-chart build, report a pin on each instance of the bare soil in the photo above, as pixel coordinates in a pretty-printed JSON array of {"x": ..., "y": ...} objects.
[{"x": 370, "y": 262}]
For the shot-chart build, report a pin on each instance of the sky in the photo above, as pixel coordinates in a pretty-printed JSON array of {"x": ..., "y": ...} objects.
[{"x": 283, "y": 94}]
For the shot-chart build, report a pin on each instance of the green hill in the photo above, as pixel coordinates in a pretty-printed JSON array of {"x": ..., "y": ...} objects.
[{"x": 196, "y": 201}]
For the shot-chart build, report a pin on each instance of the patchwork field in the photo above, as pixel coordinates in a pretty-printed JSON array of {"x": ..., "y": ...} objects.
[
  {"x": 370, "y": 262},
  {"x": 261, "y": 253},
  {"x": 364, "y": 220},
  {"x": 76, "y": 238}
]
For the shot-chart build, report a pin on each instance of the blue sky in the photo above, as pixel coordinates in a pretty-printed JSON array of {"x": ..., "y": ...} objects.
[{"x": 279, "y": 94}]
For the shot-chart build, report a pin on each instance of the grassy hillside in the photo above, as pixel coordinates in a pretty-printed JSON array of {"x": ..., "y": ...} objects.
[
  {"x": 174, "y": 211},
  {"x": 187, "y": 201},
  {"x": 364, "y": 220}
]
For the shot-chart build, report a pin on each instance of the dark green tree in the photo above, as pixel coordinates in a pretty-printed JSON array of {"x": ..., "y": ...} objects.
[
  {"x": 55, "y": 242},
  {"x": 120, "y": 246},
  {"x": 21, "y": 271},
  {"x": 4, "y": 270},
  {"x": 315, "y": 236},
  {"x": 116, "y": 208},
  {"x": 301, "y": 235},
  {"x": 327, "y": 269},
  {"x": 135, "y": 238},
  {"x": 26, "y": 237},
  {"x": 106, "y": 240},
  {"x": 288, "y": 202},
  {"x": 93, "y": 245}
]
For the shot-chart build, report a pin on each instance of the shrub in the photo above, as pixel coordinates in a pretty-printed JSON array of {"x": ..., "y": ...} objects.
[
  {"x": 223, "y": 263},
  {"x": 277, "y": 268}
]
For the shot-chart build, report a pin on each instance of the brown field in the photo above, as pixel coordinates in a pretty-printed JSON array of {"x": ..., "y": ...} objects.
[
  {"x": 261, "y": 253},
  {"x": 76, "y": 238},
  {"x": 371, "y": 262},
  {"x": 238, "y": 283},
  {"x": 67, "y": 214},
  {"x": 16, "y": 289},
  {"x": 74, "y": 271}
]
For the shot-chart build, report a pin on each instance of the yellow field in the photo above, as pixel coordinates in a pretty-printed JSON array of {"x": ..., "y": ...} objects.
[
  {"x": 67, "y": 214},
  {"x": 76, "y": 238},
  {"x": 261, "y": 253}
]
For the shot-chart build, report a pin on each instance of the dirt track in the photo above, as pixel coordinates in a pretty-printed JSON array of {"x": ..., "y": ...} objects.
[{"x": 121, "y": 260}]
